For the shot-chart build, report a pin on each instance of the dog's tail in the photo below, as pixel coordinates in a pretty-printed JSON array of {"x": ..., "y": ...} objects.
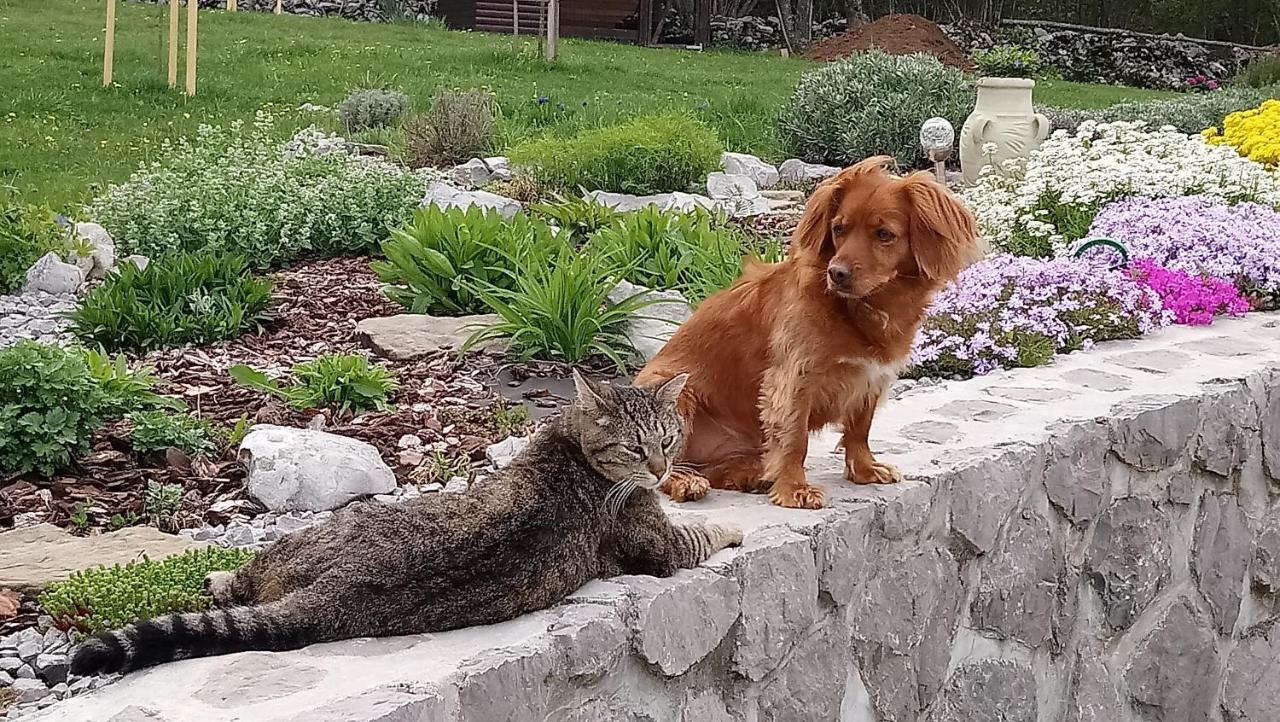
[{"x": 269, "y": 627}]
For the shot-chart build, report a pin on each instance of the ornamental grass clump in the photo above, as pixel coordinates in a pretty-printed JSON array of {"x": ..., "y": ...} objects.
[
  {"x": 1009, "y": 311},
  {"x": 1254, "y": 133},
  {"x": 1041, "y": 206},
  {"x": 1202, "y": 235},
  {"x": 239, "y": 189},
  {"x": 106, "y": 598}
]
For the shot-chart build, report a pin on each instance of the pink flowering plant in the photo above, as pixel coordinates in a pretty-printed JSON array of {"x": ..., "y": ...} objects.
[
  {"x": 1193, "y": 298},
  {"x": 1013, "y": 311},
  {"x": 1203, "y": 236}
]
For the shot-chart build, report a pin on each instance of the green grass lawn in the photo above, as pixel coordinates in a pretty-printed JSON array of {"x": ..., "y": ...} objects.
[{"x": 62, "y": 134}]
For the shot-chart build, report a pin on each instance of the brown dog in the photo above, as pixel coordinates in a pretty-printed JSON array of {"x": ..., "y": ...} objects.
[{"x": 815, "y": 339}]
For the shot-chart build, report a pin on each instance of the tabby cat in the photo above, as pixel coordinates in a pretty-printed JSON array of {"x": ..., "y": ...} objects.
[{"x": 576, "y": 504}]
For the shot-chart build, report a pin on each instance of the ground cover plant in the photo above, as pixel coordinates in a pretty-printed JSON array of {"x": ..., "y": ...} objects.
[
  {"x": 344, "y": 382},
  {"x": 1255, "y": 132},
  {"x": 158, "y": 430},
  {"x": 69, "y": 136},
  {"x": 105, "y": 598},
  {"x": 372, "y": 108},
  {"x": 1043, "y": 205},
  {"x": 239, "y": 189},
  {"x": 1189, "y": 113},
  {"x": 644, "y": 155},
  {"x": 177, "y": 299},
  {"x": 49, "y": 405},
  {"x": 1010, "y": 311}
]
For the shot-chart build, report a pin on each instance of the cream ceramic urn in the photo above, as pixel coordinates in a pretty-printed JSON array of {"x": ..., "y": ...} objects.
[{"x": 1003, "y": 115}]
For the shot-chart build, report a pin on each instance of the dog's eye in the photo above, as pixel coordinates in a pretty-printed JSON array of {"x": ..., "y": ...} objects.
[
  {"x": 884, "y": 235},
  {"x": 837, "y": 230}
]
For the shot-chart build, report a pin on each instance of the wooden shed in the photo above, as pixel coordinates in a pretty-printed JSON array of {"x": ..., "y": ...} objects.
[{"x": 627, "y": 20}]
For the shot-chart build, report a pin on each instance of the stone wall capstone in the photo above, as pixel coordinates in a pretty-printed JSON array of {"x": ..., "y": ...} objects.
[{"x": 1089, "y": 556}]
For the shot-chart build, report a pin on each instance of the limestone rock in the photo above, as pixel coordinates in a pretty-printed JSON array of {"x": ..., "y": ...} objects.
[
  {"x": 1227, "y": 431},
  {"x": 446, "y": 196},
  {"x": 50, "y": 275},
  {"x": 985, "y": 493},
  {"x": 779, "y": 575},
  {"x": 504, "y": 452},
  {"x": 305, "y": 470},
  {"x": 655, "y": 324},
  {"x": 1252, "y": 689},
  {"x": 842, "y": 557},
  {"x": 138, "y": 260},
  {"x": 625, "y": 202},
  {"x": 104, "y": 249},
  {"x": 1270, "y": 424},
  {"x": 1021, "y": 586},
  {"x": 1150, "y": 433},
  {"x": 1266, "y": 555},
  {"x": 1220, "y": 557},
  {"x": 33, "y": 557},
  {"x": 810, "y": 687},
  {"x": 1097, "y": 380},
  {"x": 671, "y": 635},
  {"x": 763, "y": 174},
  {"x": 729, "y": 185},
  {"x": 1128, "y": 558},
  {"x": 988, "y": 690},
  {"x": 1171, "y": 675},
  {"x": 1095, "y": 695},
  {"x": 795, "y": 172},
  {"x": 479, "y": 172},
  {"x": 409, "y": 336},
  {"x": 1074, "y": 478}
]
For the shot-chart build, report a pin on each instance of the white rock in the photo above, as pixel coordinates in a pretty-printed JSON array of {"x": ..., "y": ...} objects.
[
  {"x": 238, "y": 535},
  {"x": 625, "y": 202},
  {"x": 304, "y": 470},
  {"x": 30, "y": 690},
  {"x": 51, "y": 275},
  {"x": 409, "y": 441},
  {"x": 475, "y": 173},
  {"x": 288, "y": 524},
  {"x": 731, "y": 185},
  {"x": 652, "y": 326},
  {"x": 688, "y": 202},
  {"x": 764, "y": 174},
  {"x": 446, "y": 196},
  {"x": 138, "y": 260},
  {"x": 456, "y": 485},
  {"x": 502, "y": 453},
  {"x": 104, "y": 249},
  {"x": 797, "y": 172}
]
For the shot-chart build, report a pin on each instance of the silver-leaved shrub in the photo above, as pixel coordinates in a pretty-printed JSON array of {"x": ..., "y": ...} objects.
[{"x": 239, "y": 189}]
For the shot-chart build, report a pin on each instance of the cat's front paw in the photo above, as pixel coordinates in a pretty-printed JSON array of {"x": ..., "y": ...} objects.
[{"x": 724, "y": 535}]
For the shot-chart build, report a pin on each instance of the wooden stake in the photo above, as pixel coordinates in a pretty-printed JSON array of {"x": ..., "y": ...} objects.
[
  {"x": 279, "y": 7},
  {"x": 231, "y": 6},
  {"x": 174, "y": 11},
  {"x": 553, "y": 29},
  {"x": 109, "y": 50},
  {"x": 192, "y": 6},
  {"x": 515, "y": 17}
]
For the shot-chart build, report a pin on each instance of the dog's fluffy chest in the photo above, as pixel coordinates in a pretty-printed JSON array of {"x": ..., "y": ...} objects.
[{"x": 869, "y": 376}]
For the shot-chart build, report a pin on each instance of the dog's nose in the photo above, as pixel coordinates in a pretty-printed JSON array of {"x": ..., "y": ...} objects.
[{"x": 839, "y": 274}]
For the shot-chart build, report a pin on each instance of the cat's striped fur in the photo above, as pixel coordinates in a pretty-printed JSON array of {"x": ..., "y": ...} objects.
[{"x": 576, "y": 504}]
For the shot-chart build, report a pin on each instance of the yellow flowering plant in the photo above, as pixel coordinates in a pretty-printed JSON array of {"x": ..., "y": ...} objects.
[{"x": 1255, "y": 132}]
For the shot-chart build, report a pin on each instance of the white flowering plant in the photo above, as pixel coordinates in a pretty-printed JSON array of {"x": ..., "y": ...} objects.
[
  {"x": 1042, "y": 205},
  {"x": 239, "y": 189}
]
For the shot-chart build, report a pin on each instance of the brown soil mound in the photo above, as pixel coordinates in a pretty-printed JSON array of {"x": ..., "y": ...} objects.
[{"x": 897, "y": 35}]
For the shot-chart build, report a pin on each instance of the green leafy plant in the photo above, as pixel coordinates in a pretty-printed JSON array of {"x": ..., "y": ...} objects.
[
  {"x": 459, "y": 126},
  {"x": 694, "y": 253},
  {"x": 371, "y": 108},
  {"x": 890, "y": 95},
  {"x": 158, "y": 430},
  {"x": 79, "y": 516},
  {"x": 120, "y": 521},
  {"x": 1261, "y": 72},
  {"x": 561, "y": 311},
  {"x": 27, "y": 232},
  {"x": 578, "y": 215},
  {"x": 347, "y": 382},
  {"x": 239, "y": 189},
  {"x": 177, "y": 299},
  {"x": 439, "y": 468},
  {"x": 126, "y": 389},
  {"x": 649, "y": 154},
  {"x": 49, "y": 406},
  {"x": 1008, "y": 61},
  {"x": 163, "y": 504},
  {"x": 239, "y": 430},
  {"x": 434, "y": 262},
  {"x": 509, "y": 419},
  {"x": 106, "y": 598}
]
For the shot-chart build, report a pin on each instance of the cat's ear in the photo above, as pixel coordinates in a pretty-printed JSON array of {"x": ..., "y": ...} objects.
[
  {"x": 669, "y": 392},
  {"x": 591, "y": 397}
]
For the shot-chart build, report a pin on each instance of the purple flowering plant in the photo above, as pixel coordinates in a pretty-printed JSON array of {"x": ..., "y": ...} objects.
[
  {"x": 1013, "y": 311},
  {"x": 1202, "y": 236},
  {"x": 1193, "y": 298}
]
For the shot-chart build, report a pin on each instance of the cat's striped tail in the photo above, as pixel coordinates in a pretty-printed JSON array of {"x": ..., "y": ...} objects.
[{"x": 270, "y": 627}]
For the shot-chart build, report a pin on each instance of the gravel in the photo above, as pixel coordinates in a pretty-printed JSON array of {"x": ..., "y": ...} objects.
[
  {"x": 33, "y": 662},
  {"x": 37, "y": 316}
]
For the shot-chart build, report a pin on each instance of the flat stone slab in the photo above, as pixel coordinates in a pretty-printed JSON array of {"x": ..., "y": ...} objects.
[
  {"x": 859, "y": 611},
  {"x": 409, "y": 336},
  {"x": 33, "y": 557}
]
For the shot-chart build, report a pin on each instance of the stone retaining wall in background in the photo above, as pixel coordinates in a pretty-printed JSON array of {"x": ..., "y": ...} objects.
[{"x": 1093, "y": 541}]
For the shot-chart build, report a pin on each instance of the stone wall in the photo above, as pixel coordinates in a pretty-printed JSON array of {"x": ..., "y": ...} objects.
[
  {"x": 1093, "y": 541},
  {"x": 370, "y": 10}
]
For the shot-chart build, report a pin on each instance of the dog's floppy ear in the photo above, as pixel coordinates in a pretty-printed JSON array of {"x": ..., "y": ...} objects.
[
  {"x": 813, "y": 235},
  {"x": 944, "y": 236}
]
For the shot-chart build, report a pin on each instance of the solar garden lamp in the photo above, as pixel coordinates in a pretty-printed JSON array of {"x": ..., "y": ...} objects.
[{"x": 937, "y": 138}]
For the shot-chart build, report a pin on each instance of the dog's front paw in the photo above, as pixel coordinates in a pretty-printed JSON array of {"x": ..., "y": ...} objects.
[
  {"x": 873, "y": 473},
  {"x": 724, "y": 536},
  {"x": 685, "y": 486},
  {"x": 798, "y": 497}
]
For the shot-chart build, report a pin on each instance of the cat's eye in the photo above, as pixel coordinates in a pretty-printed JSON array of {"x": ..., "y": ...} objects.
[
  {"x": 636, "y": 450},
  {"x": 670, "y": 442}
]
